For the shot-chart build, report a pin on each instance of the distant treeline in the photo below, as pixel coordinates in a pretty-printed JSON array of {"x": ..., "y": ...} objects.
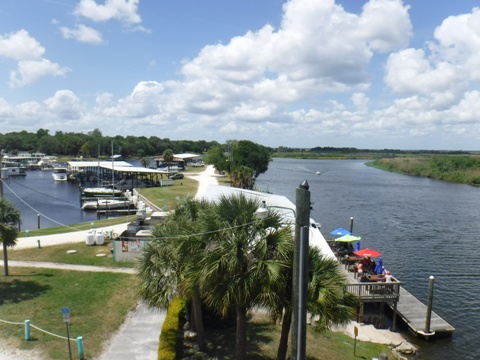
[
  {"x": 351, "y": 152},
  {"x": 463, "y": 169},
  {"x": 90, "y": 145}
]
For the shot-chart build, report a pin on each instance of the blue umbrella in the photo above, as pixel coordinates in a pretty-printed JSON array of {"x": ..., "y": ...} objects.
[
  {"x": 379, "y": 266},
  {"x": 340, "y": 232}
]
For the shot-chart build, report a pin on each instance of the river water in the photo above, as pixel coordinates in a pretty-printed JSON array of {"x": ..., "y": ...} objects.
[{"x": 421, "y": 226}]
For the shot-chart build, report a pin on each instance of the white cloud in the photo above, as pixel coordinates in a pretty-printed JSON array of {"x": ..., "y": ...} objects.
[
  {"x": 122, "y": 10},
  {"x": 20, "y": 46},
  {"x": 29, "y": 71},
  {"x": 28, "y": 52},
  {"x": 82, "y": 33},
  {"x": 65, "y": 105}
]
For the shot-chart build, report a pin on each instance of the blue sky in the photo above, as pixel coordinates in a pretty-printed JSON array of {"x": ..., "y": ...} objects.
[{"x": 303, "y": 73}]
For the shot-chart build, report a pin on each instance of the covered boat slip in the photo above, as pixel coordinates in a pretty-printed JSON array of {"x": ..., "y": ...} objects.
[{"x": 124, "y": 174}]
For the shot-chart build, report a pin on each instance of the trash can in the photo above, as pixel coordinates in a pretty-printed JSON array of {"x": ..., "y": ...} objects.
[
  {"x": 99, "y": 238},
  {"x": 90, "y": 238}
]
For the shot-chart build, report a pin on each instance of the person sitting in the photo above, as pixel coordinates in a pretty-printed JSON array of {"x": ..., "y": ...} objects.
[
  {"x": 367, "y": 264},
  {"x": 388, "y": 276}
]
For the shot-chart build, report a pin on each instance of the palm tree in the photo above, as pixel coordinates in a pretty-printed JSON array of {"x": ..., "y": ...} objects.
[
  {"x": 168, "y": 157},
  {"x": 328, "y": 302},
  {"x": 241, "y": 260},
  {"x": 9, "y": 221},
  {"x": 168, "y": 267}
]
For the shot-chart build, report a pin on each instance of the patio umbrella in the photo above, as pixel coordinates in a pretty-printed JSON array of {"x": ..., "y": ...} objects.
[
  {"x": 379, "y": 266},
  {"x": 340, "y": 232},
  {"x": 367, "y": 252},
  {"x": 348, "y": 238},
  {"x": 356, "y": 246}
]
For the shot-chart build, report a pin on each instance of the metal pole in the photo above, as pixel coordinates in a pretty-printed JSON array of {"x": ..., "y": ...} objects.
[
  {"x": 429, "y": 304},
  {"x": 351, "y": 225},
  {"x": 38, "y": 220},
  {"x": 68, "y": 340},
  {"x": 302, "y": 219}
]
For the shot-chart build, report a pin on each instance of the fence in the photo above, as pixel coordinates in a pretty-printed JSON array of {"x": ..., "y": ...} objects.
[{"x": 28, "y": 325}]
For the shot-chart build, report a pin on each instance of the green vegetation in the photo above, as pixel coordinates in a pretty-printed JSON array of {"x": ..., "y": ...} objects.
[
  {"x": 89, "y": 145},
  {"x": 264, "y": 337},
  {"x": 85, "y": 255},
  {"x": 9, "y": 221},
  {"x": 243, "y": 160},
  {"x": 98, "y": 302},
  {"x": 221, "y": 257},
  {"x": 167, "y": 197},
  {"x": 171, "y": 330},
  {"x": 463, "y": 169}
]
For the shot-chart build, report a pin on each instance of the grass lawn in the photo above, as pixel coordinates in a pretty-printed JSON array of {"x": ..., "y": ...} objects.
[
  {"x": 167, "y": 196},
  {"x": 85, "y": 255},
  {"x": 98, "y": 302},
  {"x": 263, "y": 338}
]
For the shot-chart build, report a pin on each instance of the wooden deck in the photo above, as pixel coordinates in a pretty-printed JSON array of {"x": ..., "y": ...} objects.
[{"x": 413, "y": 312}]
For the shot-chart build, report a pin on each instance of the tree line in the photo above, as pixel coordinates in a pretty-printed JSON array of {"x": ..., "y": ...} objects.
[{"x": 93, "y": 144}]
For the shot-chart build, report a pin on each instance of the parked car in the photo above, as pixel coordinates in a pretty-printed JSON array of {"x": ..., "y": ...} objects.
[{"x": 176, "y": 176}]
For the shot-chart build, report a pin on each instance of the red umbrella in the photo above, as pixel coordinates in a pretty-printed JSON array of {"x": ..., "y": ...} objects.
[{"x": 367, "y": 251}]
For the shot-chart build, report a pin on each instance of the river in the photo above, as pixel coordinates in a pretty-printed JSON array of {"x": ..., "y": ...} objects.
[{"x": 421, "y": 226}]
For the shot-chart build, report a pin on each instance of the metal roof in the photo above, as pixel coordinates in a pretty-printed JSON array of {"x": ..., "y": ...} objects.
[{"x": 120, "y": 166}]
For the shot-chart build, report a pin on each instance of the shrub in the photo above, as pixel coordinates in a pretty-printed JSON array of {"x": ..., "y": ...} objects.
[{"x": 169, "y": 337}]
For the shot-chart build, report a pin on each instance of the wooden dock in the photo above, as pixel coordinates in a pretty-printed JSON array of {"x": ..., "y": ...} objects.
[
  {"x": 414, "y": 313},
  {"x": 403, "y": 304}
]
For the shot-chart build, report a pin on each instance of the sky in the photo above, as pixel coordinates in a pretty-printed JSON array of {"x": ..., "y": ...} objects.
[{"x": 378, "y": 74}]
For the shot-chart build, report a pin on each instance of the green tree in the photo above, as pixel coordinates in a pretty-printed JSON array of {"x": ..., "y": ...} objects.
[
  {"x": 216, "y": 156},
  {"x": 243, "y": 257},
  {"x": 9, "y": 221},
  {"x": 242, "y": 177},
  {"x": 252, "y": 155},
  {"x": 168, "y": 158},
  {"x": 169, "y": 266}
]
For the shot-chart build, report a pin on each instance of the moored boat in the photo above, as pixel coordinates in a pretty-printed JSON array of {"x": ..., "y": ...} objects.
[
  {"x": 111, "y": 190},
  {"x": 60, "y": 174},
  {"x": 107, "y": 204}
]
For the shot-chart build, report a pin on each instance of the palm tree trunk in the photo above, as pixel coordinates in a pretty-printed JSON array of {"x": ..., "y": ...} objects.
[
  {"x": 197, "y": 313},
  {"x": 283, "y": 345},
  {"x": 241, "y": 340},
  {"x": 5, "y": 259}
]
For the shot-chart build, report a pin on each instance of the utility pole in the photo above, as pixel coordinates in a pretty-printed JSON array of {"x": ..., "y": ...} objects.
[{"x": 300, "y": 271}]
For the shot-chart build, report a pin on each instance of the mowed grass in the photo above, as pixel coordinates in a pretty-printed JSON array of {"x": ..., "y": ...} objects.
[
  {"x": 264, "y": 336},
  {"x": 98, "y": 302},
  {"x": 167, "y": 196},
  {"x": 85, "y": 255}
]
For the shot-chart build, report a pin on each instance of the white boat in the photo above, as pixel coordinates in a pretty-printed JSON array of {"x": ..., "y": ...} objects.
[
  {"x": 15, "y": 171},
  {"x": 111, "y": 190},
  {"x": 107, "y": 204},
  {"x": 59, "y": 174}
]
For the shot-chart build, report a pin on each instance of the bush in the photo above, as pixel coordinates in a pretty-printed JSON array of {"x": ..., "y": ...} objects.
[{"x": 169, "y": 337}]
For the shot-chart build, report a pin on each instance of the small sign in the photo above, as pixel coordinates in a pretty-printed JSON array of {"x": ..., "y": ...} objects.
[
  {"x": 66, "y": 315},
  {"x": 355, "y": 331}
]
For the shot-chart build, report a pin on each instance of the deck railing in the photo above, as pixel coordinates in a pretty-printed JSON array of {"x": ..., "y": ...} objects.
[{"x": 375, "y": 291}]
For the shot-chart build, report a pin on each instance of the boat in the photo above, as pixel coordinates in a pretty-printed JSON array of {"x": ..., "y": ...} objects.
[
  {"x": 107, "y": 204},
  {"x": 60, "y": 174},
  {"x": 111, "y": 190},
  {"x": 15, "y": 171}
]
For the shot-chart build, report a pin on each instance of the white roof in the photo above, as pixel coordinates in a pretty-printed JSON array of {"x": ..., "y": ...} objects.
[
  {"x": 82, "y": 164},
  {"x": 120, "y": 166},
  {"x": 186, "y": 156},
  {"x": 287, "y": 210}
]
